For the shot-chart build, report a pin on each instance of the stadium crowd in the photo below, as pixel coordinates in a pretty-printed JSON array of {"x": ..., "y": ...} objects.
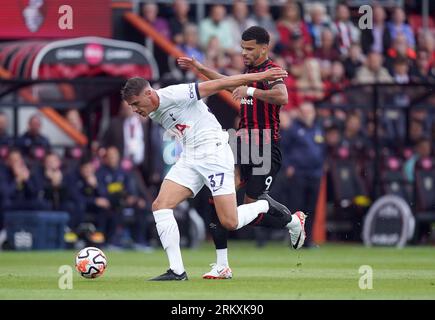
[{"x": 323, "y": 51}]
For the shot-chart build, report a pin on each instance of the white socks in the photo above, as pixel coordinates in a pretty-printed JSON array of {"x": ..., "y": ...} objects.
[
  {"x": 248, "y": 212},
  {"x": 167, "y": 229},
  {"x": 222, "y": 257}
]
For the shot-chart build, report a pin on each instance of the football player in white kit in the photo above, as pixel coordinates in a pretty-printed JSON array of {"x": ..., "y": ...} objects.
[{"x": 207, "y": 158}]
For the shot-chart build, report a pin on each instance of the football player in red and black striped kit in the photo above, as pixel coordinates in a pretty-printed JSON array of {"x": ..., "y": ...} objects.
[{"x": 260, "y": 104}]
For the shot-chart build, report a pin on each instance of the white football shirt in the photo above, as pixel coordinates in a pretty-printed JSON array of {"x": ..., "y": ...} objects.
[{"x": 184, "y": 115}]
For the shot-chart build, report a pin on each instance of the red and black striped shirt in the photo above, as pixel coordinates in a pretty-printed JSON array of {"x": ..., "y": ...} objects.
[{"x": 260, "y": 115}]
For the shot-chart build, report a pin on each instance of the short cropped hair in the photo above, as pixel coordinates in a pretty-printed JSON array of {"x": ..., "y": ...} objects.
[
  {"x": 133, "y": 87},
  {"x": 256, "y": 33}
]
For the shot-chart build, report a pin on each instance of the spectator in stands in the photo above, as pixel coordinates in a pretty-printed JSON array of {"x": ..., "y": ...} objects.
[
  {"x": 239, "y": 22},
  {"x": 21, "y": 186},
  {"x": 296, "y": 54},
  {"x": 263, "y": 18},
  {"x": 291, "y": 23},
  {"x": 74, "y": 119},
  {"x": 378, "y": 38},
  {"x": 344, "y": 29},
  {"x": 75, "y": 152},
  {"x": 422, "y": 149},
  {"x": 294, "y": 99},
  {"x": 215, "y": 54},
  {"x": 119, "y": 188},
  {"x": 150, "y": 13},
  {"x": 179, "y": 20},
  {"x": 354, "y": 60},
  {"x": 395, "y": 119},
  {"x": 310, "y": 84},
  {"x": 87, "y": 194},
  {"x": 336, "y": 82},
  {"x": 373, "y": 71},
  {"x": 399, "y": 49},
  {"x": 416, "y": 132},
  {"x": 325, "y": 69},
  {"x": 217, "y": 26},
  {"x": 6, "y": 141},
  {"x": 55, "y": 187},
  {"x": 32, "y": 143},
  {"x": 236, "y": 65},
  {"x": 399, "y": 26},
  {"x": 116, "y": 187},
  {"x": 318, "y": 23},
  {"x": 138, "y": 141},
  {"x": 303, "y": 159},
  {"x": 401, "y": 71},
  {"x": 353, "y": 136},
  {"x": 127, "y": 133},
  {"x": 190, "y": 44},
  {"x": 422, "y": 71},
  {"x": 332, "y": 139},
  {"x": 328, "y": 50},
  {"x": 426, "y": 42}
]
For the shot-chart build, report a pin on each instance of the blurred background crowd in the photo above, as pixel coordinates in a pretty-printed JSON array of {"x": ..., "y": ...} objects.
[{"x": 327, "y": 132}]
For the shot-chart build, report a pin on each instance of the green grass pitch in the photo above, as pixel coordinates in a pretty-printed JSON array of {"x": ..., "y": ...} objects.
[{"x": 273, "y": 272}]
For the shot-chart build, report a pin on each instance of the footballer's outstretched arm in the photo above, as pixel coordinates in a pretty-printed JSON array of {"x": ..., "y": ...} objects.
[
  {"x": 211, "y": 87},
  {"x": 192, "y": 63},
  {"x": 276, "y": 95}
]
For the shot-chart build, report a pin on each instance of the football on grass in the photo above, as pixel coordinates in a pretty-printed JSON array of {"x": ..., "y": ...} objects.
[{"x": 91, "y": 262}]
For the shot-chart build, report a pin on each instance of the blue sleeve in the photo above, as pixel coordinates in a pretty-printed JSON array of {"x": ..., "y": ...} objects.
[{"x": 101, "y": 186}]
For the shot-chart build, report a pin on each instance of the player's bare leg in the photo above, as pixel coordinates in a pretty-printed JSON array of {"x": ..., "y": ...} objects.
[
  {"x": 170, "y": 195},
  {"x": 232, "y": 217}
]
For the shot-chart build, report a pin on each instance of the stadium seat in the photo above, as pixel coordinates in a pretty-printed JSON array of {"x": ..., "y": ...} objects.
[
  {"x": 393, "y": 180},
  {"x": 424, "y": 194},
  {"x": 349, "y": 196}
]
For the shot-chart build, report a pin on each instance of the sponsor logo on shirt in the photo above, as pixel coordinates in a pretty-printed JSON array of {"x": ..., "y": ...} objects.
[{"x": 248, "y": 101}]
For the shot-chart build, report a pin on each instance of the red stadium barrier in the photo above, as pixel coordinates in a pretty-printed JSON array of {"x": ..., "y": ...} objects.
[{"x": 319, "y": 225}]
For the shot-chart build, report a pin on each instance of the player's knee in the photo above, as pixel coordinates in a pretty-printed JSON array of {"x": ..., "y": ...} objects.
[
  {"x": 160, "y": 204},
  {"x": 230, "y": 223}
]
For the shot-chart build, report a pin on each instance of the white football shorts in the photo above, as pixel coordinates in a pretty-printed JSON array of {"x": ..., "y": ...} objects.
[{"x": 214, "y": 169}]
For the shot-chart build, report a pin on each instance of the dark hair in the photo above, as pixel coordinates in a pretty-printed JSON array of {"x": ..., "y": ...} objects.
[
  {"x": 401, "y": 61},
  {"x": 133, "y": 87},
  {"x": 86, "y": 159},
  {"x": 421, "y": 140},
  {"x": 51, "y": 153},
  {"x": 256, "y": 33},
  {"x": 332, "y": 127}
]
